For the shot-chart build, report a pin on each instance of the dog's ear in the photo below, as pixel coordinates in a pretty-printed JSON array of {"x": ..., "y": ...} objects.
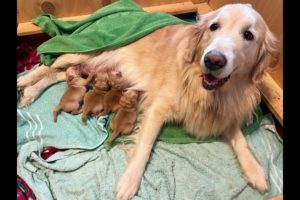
[
  {"x": 268, "y": 57},
  {"x": 191, "y": 48},
  {"x": 196, "y": 36}
]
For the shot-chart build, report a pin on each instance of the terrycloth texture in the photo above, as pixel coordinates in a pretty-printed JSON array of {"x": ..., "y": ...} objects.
[
  {"x": 35, "y": 123},
  {"x": 110, "y": 27},
  {"x": 175, "y": 134},
  {"x": 207, "y": 171}
]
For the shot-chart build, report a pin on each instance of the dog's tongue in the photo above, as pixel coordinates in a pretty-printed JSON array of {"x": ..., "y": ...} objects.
[{"x": 210, "y": 78}]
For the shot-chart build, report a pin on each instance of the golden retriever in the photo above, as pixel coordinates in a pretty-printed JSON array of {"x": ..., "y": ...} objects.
[{"x": 203, "y": 75}]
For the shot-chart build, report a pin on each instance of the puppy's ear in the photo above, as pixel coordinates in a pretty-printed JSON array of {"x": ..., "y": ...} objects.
[
  {"x": 118, "y": 74},
  {"x": 268, "y": 57},
  {"x": 124, "y": 91},
  {"x": 70, "y": 78}
]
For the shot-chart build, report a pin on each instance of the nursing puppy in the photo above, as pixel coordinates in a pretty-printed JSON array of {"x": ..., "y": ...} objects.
[
  {"x": 123, "y": 122},
  {"x": 205, "y": 78},
  {"x": 111, "y": 100},
  {"x": 93, "y": 100},
  {"x": 71, "y": 100}
]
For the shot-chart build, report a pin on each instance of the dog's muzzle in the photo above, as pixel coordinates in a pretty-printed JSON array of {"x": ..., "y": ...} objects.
[{"x": 214, "y": 60}]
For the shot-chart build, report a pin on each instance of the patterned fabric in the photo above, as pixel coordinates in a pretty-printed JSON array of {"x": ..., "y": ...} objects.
[
  {"x": 24, "y": 192},
  {"x": 26, "y": 57}
]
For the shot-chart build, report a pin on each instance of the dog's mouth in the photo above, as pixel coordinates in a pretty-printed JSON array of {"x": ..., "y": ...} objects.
[{"x": 210, "y": 82}]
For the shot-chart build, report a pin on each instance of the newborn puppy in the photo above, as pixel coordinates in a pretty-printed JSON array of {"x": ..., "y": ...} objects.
[
  {"x": 93, "y": 100},
  {"x": 71, "y": 100},
  {"x": 112, "y": 98},
  {"x": 124, "y": 120}
]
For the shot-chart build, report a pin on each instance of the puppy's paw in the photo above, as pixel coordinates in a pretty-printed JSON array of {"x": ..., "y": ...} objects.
[
  {"x": 255, "y": 176},
  {"x": 128, "y": 183}
]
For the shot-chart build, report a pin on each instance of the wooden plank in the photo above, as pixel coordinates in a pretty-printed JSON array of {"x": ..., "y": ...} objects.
[
  {"x": 173, "y": 9},
  {"x": 272, "y": 95},
  {"x": 203, "y": 8},
  {"x": 27, "y": 28}
]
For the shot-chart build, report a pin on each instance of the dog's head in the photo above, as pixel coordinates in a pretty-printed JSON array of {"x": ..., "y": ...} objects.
[{"x": 232, "y": 42}]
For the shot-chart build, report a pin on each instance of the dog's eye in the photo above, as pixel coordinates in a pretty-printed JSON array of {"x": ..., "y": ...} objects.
[
  {"x": 248, "y": 35},
  {"x": 214, "y": 26}
]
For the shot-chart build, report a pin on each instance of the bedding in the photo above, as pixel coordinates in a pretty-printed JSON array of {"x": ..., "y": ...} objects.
[
  {"x": 110, "y": 27},
  {"x": 180, "y": 167}
]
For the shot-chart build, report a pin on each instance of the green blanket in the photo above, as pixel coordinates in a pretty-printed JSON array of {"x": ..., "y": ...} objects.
[
  {"x": 110, "y": 27},
  {"x": 175, "y": 133}
]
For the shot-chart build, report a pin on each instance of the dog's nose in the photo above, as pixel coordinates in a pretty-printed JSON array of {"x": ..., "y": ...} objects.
[{"x": 214, "y": 60}]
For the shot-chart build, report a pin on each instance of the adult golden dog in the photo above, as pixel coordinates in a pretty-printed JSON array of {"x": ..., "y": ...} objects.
[{"x": 202, "y": 75}]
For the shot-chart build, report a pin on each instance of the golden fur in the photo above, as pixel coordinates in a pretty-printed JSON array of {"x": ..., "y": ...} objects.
[
  {"x": 168, "y": 66},
  {"x": 111, "y": 99},
  {"x": 123, "y": 122},
  {"x": 93, "y": 100},
  {"x": 73, "y": 96}
]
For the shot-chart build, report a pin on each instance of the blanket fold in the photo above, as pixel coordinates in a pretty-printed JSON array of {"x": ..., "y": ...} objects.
[{"x": 110, "y": 27}]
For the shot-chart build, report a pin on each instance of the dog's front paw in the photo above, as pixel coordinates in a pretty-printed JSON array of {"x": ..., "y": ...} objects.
[
  {"x": 255, "y": 176},
  {"x": 27, "y": 96},
  {"x": 23, "y": 82},
  {"x": 128, "y": 183}
]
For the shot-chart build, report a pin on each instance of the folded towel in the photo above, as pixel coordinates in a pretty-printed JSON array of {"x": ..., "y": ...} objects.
[
  {"x": 176, "y": 134},
  {"x": 110, "y": 27}
]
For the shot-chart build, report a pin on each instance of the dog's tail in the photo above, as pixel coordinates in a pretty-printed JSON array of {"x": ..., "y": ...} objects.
[{"x": 55, "y": 112}]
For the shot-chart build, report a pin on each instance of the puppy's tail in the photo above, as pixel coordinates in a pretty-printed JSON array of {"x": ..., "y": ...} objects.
[{"x": 55, "y": 112}]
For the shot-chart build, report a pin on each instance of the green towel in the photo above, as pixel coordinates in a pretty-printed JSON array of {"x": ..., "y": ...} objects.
[
  {"x": 175, "y": 133},
  {"x": 110, "y": 27}
]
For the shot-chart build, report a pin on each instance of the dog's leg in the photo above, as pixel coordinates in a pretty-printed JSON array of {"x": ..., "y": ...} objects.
[
  {"x": 32, "y": 77},
  {"x": 253, "y": 172},
  {"x": 62, "y": 62},
  {"x": 30, "y": 93},
  {"x": 68, "y": 59},
  {"x": 129, "y": 182}
]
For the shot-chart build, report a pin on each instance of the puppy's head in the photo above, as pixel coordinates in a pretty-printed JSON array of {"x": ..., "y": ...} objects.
[
  {"x": 129, "y": 98},
  {"x": 116, "y": 80},
  {"x": 72, "y": 73},
  {"x": 101, "y": 80},
  {"x": 234, "y": 43}
]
